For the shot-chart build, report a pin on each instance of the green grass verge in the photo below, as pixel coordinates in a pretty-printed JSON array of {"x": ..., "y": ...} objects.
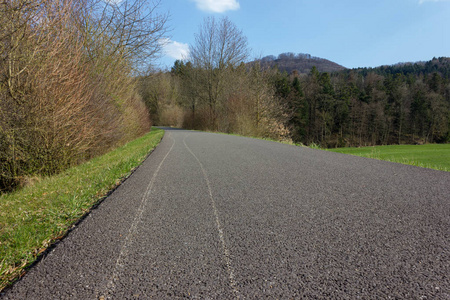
[
  {"x": 33, "y": 218},
  {"x": 433, "y": 156}
]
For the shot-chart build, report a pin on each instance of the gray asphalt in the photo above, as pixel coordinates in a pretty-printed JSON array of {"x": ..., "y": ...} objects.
[{"x": 210, "y": 216}]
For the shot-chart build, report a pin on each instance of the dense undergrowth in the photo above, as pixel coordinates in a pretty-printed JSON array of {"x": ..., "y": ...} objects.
[{"x": 67, "y": 87}]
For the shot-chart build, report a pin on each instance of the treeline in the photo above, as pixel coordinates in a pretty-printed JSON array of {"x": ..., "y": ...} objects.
[
  {"x": 439, "y": 65},
  {"x": 216, "y": 90},
  {"x": 242, "y": 101},
  {"x": 67, "y": 87},
  {"x": 352, "y": 108}
]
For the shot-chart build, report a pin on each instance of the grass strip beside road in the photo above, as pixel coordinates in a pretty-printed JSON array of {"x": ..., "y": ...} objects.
[
  {"x": 432, "y": 156},
  {"x": 33, "y": 218}
]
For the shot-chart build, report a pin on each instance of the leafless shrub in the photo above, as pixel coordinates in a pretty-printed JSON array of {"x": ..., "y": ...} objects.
[
  {"x": 66, "y": 86},
  {"x": 173, "y": 116}
]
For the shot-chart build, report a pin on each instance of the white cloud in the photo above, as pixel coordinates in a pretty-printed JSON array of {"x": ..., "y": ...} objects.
[
  {"x": 116, "y": 2},
  {"x": 175, "y": 49},
  {"x": 423, "y": 1},
  {"x": 217, "y": 6}
]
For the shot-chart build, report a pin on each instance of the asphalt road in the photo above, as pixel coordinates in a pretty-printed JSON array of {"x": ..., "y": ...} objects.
[{"x": 210, "y": 216}]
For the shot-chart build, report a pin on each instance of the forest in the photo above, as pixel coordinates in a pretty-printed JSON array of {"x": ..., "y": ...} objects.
[
  {"x": 217, "y": 90},
  {"x": 407, "y": 104}
]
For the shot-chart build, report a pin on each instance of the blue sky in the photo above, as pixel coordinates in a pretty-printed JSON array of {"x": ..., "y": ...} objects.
[{"x": 353, "y": 33}]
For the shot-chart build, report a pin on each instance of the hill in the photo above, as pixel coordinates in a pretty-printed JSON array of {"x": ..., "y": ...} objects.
[{"x": 302, "y": 63}]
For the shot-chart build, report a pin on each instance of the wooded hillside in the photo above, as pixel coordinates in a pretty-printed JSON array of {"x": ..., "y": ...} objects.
[
  {"x": 386, "y": 105},
  {"x": 300, "y": 63}
]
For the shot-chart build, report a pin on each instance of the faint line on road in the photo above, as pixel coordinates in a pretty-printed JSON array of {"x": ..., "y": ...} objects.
[
  {"x": 109, "y": 290},
  {"x": 226, "y": 251}
]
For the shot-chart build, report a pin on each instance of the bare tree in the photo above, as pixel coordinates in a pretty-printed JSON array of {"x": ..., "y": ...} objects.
[
  {"x": 218, "y": 44},
  {"x": 219, "y": 47},
  {"x": 129, "y": 29}
]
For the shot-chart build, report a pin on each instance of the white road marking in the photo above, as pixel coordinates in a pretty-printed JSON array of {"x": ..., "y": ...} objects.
[
  {"x": 120, "y": 263},
  {"x": 226, "y": 251}
]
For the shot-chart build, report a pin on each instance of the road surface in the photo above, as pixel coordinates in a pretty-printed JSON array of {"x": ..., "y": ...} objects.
[{"x": 211, "y": 216}]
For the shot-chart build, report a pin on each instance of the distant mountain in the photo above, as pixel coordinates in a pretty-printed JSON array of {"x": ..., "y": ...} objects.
[{"x": 302, "y": 63}]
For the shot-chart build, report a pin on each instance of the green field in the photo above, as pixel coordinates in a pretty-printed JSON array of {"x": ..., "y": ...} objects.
[
  {"x": 33, "y": 218},
  {"x": 433, "y": 156}
]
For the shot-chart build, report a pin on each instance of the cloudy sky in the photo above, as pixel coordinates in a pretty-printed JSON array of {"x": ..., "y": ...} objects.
[{"x": 353, "y": 33}]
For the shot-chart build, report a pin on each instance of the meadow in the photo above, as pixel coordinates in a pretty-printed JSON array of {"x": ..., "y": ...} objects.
[{"x": 432, "y": 156}]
